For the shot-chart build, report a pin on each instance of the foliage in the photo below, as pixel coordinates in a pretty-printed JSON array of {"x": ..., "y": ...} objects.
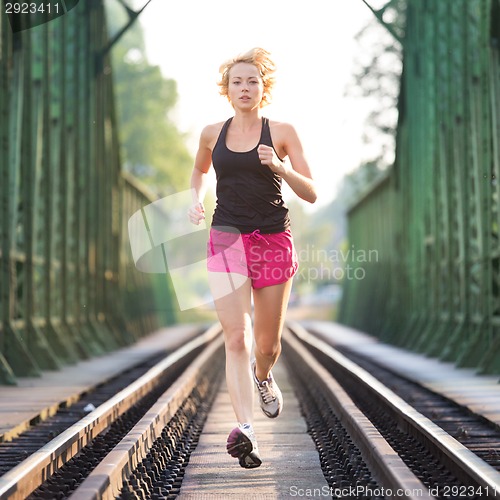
[
  {"x": 322, "y": 237},
  {"x": 152, "y": 147},
  {"x": 376, "y": 76},
  {"x": 356, "y": 183}
]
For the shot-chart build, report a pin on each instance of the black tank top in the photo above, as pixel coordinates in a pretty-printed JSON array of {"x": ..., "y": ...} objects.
[{"x": 248, "y": 193}]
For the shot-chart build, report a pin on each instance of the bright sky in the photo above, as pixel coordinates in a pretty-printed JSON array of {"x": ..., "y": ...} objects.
[{"x": 313, "y": 46}]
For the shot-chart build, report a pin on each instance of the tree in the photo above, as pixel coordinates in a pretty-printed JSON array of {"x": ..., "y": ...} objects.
[
  {"x": 152, "y": 147},
  {"x": 377, "y": 74}
]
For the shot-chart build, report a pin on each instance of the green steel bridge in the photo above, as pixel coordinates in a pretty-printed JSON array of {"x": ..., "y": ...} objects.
[
  {"x": 68, "y": 285},
  {"x": 434, "y": 219}
]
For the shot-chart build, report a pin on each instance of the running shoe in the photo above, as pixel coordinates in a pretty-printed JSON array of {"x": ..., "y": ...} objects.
[
  {"x": 271, "y": 399},
  {"x": 241, "y": 444}
]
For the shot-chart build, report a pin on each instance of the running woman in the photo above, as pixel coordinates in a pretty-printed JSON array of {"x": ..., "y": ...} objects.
[{"x": 250, "y": 250}]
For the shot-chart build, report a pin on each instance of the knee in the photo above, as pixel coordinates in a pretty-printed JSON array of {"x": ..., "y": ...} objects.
[
  {"x": 269, "y": 350},
  {"x": 236, "y": 341}
]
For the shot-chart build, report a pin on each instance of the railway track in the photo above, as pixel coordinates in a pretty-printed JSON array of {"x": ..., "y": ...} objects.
[
  {"x": 446, "y": 467},
  {"x": 57, "y": 469},
  {"x": 372, "y": 444},
  {"x": 42, "y": 430}
]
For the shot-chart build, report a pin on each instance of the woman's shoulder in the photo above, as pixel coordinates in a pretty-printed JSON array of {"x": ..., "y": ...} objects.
[
  {"x": 210, "y": 134},
  {"x": 281, "y": 129},
  {"x": 281, "y": 126}
]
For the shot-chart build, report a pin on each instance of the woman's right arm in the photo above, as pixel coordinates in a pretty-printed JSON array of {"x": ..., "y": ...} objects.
[{"x": 201, "y": 167}]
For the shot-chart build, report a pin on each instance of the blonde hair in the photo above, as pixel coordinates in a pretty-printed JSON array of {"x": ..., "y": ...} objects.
[{"x": 261, "y": 59}]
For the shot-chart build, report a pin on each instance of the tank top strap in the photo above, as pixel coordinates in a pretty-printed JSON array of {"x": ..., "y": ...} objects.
[
  {"x": 266, "y": 132},
  {"x": 221, "y": 140}
]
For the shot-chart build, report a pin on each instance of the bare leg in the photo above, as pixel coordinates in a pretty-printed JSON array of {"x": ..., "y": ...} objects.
[
  {"x": 234, "y": 312},
  {"x": 269, "y": 316}
]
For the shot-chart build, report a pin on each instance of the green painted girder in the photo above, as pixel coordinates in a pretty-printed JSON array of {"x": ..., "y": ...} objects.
[
  {"x": 442, "y": 248},
  {"x": 68, "y": 286}
]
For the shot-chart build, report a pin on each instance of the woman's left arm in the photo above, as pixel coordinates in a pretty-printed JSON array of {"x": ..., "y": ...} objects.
[{"x": 297, "y": 175}]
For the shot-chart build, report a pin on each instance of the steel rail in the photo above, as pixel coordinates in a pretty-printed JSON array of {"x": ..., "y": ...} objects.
[
  {"x": 458, "y": 455},
  {"x": 383, "y": 461},
  {"x": 23, "y": 479},
  {"x": 106, "y": 480}
]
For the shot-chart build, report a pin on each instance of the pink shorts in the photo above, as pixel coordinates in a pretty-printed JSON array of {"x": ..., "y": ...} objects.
[{"x": 267, "y": 259}]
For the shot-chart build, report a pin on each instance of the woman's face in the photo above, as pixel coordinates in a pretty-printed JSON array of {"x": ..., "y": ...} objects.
[{"x": 245, "y": 87}]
